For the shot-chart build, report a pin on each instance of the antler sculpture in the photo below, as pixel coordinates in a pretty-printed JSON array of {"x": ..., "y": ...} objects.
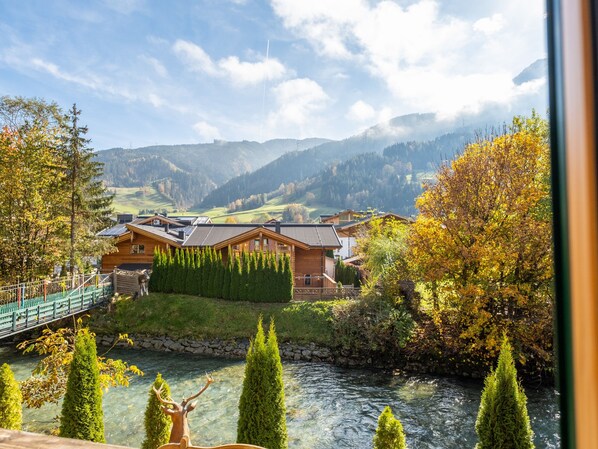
[{"x": 178, "y": 413}]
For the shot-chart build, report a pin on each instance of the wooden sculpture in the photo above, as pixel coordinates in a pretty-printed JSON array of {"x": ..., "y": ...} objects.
[{"x": 179, "y": 434}]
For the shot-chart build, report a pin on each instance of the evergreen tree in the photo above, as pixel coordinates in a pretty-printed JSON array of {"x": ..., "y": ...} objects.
[
  {"x": 154, "y": 280},
  {"x": 11, "y": 414},
  {"x": 251, "y": 279},
  {"x": 235, "y": 279},
  {"x": 219, "y": 285},
  {"x": 227, "y": 277},
  {"x": 164, "y": 270},
  {"x": 502, "y": 420},
  {"x": 206, "y": 272},
  {"x": 198, "y": 272},
  {"x": 280, "y": 279},
  {"x": 244, "y": 284},
  {"x": 170, "y": 273},
  {"x": 262, "y": 415},
  {"x": 90, "y": 205},
  {"x": 389, "y": 434},
  {"x": 157, "y": 423},
  {"x": 261, "y": 287},
  {"x": 288, "y": 279},
  {"x": 191, "y": 273},
  {"x": 82, "y": 416}
]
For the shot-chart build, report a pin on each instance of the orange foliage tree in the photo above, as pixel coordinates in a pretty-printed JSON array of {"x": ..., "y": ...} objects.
[{"x": 482, "y": 244}]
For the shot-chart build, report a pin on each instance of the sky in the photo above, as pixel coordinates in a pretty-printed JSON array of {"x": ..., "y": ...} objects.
[{"x": 148, "y": 72}]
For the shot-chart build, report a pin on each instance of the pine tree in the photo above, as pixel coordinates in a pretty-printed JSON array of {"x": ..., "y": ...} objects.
[
  {"x": 502, "y": 420},
  {"x": 280, "y": 280},
  {"x": 11, "y": 413},
  {"x": 164, "y": 271},
  {"x": 260, "y": 275},
  {"x": 90, "y": 204},
  {"x": 82, "y": 415},
  {"x": 157, "y": 423},
  {"x": 262, "y": 415},
  {"x": 170, "y": 273},
  {"x": 198, "y": 272},
  {"x": 219, "y": 284},
  {"x": 389, "y": 434}
]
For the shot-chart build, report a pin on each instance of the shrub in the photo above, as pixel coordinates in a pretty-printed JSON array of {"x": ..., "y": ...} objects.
[
  {"x": 11, "y": 414},
  {"x": 82, "y": 415},
  {"x": 262, "y": 414},
  {"x": 389, "y": 434},
  {"x": 372, "y": 327},
  {"x": 502, "y": 420},
  {"x": 157, "y": 423}
]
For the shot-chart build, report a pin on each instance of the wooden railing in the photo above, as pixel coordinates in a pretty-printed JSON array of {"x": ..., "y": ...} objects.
[{"x": 317, "y": 293}]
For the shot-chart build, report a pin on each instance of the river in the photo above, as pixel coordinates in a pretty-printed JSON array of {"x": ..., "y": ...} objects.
[{"x": 327, "y": 406}]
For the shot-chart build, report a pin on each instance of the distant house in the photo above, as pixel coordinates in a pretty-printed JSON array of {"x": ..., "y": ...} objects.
[
  {"x": 351, "y": 225},
  {"x": 306, "y": 244}
]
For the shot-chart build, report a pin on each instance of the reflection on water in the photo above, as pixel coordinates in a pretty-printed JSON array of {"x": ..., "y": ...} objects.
[{"x": 327, "y": 407}]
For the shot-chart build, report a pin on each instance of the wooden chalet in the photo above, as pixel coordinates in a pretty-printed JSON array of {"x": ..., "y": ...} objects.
[{"x": 306, "y": 244}]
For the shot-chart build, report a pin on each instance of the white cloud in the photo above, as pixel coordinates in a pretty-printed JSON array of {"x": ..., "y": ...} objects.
[
  {"x": 360, "y": 111},
  {"x": 206, "y": 131},
  {"x": 428, "y": 60},
  {"x": 155, "y": 64},
  {"x": 490, "y": 25},
  {"x": 195, "y": 57},
  {"x": 247, "y": 73},
  {"x": 240, "y": 73},
  {"x": 298, "y": 101}
]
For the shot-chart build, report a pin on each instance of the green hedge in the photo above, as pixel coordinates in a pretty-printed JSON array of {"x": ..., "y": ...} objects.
[{"x": 255, "y": 277}]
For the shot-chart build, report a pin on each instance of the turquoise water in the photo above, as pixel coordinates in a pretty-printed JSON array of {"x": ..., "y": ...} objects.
[{"x": 327, "y": 407}]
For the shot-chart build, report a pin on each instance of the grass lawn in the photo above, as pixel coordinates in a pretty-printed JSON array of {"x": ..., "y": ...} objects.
[
  {"x": 273, "y": 207},
  {"x": 181, "y": 316},
  {"x": 129, "y": 200}
]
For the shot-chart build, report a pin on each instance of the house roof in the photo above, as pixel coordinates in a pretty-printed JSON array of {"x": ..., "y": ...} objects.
[
  {"x": 362, "y": 221},
  {"x": 311, "y": 235},
  {"x": 177, "y": 222}
]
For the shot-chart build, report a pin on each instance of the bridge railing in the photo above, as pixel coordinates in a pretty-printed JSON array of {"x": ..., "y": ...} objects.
[
  {"x": 91, "y": 292},
  {"x": 47, "y": 289}
]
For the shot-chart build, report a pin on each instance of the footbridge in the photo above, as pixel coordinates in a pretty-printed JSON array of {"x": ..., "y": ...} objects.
[{"x": 29, "y": 305}]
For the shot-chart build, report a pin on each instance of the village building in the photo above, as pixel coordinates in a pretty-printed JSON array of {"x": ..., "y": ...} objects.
[
  {"x": 310, "y": 246},
  {"x": 351, "y": 225}
]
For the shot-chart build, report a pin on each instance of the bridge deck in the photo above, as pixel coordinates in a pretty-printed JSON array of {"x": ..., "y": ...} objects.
[{"x": 16, "y": 317}]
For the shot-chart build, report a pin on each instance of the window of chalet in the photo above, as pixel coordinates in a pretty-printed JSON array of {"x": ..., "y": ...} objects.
[
  {"x": 256, "y": 245},
  {"x": 137, "y": 249},
  {"x": 265, "y": 244},
  {"x": 307, "y": 279}
]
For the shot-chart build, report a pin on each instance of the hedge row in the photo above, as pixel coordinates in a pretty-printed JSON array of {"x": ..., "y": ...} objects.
[
  {"x": 256, "y": 277},
  {"x": 346, "y": 274}
]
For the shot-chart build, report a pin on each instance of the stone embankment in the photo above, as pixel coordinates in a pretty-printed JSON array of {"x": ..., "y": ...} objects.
[{"x": 232, "y": 349}]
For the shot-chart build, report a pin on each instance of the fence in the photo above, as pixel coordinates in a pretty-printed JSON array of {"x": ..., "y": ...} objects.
[{"x": 317, "y": 293}]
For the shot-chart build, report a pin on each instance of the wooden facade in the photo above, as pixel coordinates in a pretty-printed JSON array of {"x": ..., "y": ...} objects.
[
  {"x": 125, "y": 254},
  {"x": 310, "y": 264}
]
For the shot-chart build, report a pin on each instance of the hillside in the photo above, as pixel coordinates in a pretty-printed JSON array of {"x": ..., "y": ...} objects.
[
  {"x": 297, "y": 166},
  {"x": 184, "y": 174}
]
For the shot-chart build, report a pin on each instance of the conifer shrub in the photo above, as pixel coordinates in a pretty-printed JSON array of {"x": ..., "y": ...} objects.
[
  {"x": 262, "y": 412},
  {"x": 157, "y": 423},
  {"x": 389, "y": 434},
  {"x": 154, "y": 280},
  {"x": 82, "y": 416},
  {"x": 502, "y": 420},
  {"x": 288, "y": 284},
  {"x": 11, "y": 413},
  {"x": 235, "y": 279},
  {"x": 226, "y": 281}
]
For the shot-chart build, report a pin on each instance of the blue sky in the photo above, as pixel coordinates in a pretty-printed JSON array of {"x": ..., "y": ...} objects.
[{"x": 150, "y": 72}]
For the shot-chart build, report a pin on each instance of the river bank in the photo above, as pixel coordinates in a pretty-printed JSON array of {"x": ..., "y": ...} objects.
[{"x": 327, "y": 406}]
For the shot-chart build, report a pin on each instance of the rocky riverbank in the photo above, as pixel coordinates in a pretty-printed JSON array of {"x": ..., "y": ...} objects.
[{"x": 234, "y": 349}]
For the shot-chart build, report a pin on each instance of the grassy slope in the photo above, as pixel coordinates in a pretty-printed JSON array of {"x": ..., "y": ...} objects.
[
  {"x": 274, "y": 208},
  {"x": 189, "y": 316},
  {"x": 126, "y": 200}
]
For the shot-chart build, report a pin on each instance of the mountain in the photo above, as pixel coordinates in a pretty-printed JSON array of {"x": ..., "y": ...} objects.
[
  {"x": 390, "y": 181},
  {"x": 186, "y": 173},
  {"x": 296, "y": 166},
  {"x": 535, "y": 71}
]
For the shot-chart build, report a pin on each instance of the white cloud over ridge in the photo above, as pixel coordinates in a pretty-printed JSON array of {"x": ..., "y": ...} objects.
[
  {"x": 206, "y": 131},
  {"x": 240, "y": 73},
  {"x": 360, "y": 111},
  {"x": 298, "y": 102}
]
